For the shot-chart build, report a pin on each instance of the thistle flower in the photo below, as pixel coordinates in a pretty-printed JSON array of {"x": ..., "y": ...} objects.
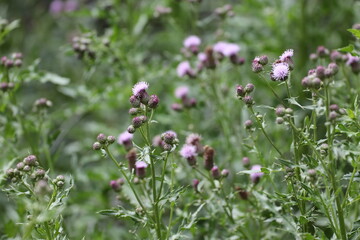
[
  {"x": 280, "y": 72},
  {"x": 248, "y": 124},
  {"x": 189, "y": 153},
  {"x": 286, "y": 55},
  {"x": 56, "y": 7},
  {"x": 139, "y": 88},
  {"x": 246, "y": 162},
  {"x": 202, "y": 57},
  {"x": 195, "y": 184},
  {"x": 226, "y": 49},
  {"x": 169, "y": 137},
  {"x": 125, "y": 139},
  {"x": 181, "y": 92},
  {"x": 70, "y": 5},
  {"x": 322, "y": 51},
  {"x": 184, "y": 69},
  {"x": 153, "y": 101},
  {"x": 192, "y": 43},
  {"x": 140, "y": 169},
  {"x": 354, "y": 63},
  {"x": 194, "y": 139},
  {"x": 215, "y": 172},
  {"x": 225, "y": 173},
  {"x": 255, "y": 176}
]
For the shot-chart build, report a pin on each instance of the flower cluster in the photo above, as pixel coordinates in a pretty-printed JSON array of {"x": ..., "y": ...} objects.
[
  {"x": 103, "y": 141},
  {"x": 315, "y": 77},
  {"x": 169, "y": 140},
  {"x": 283, "y": 114},
  {"x": 193, "y": 148},
  {"x": 281, "y": 68},
  {"x": 140, "y": 102},
  {"x": 14, "y": 61},
  {"x": 81, "y": 45},
  {"x": 243, "y": 93},
  {"x": 210, "y": 58},
  {"x": 29, "y": 168},
  {"x": 182, "y": 93},
  {"x": 258, "y": 63}
]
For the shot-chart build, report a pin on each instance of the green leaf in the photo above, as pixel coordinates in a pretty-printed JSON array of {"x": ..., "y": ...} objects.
[
  {"x": 355, "y": 32},
  {"x": 348, "y": 48},
  {"x": 54, "y": 78}
]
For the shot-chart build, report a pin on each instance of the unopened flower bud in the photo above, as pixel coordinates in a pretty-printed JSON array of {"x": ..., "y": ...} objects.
[
  {"x": 101, "y": 138},
  {"x": 246, "y": 162},
  {"x": 134, "y": 101},
  {"x": 153, "y": 101},
  {"x": 133, "y": 111},
  {"x": 316, "y": 83},
  {"x": 42, "y": 187},
  {"x": 225, "y": 173},
  {"x": 208, "y": 157},
  {"x": 168, "y": 137},
  {"x": 131, "y": 129},
  {"x": 289, "y": 111},
  {"x": 312, "y": 172},
  {"x": 18, "y": 63},
  {"x": 215, "y": 172},
  {"x": 141, "y": 169},
  {"x": 249, "y": 88},
  {"x": 280, "y": 111},
  {"x": 40, "y": 173},
  {"x": 144, "y": 97},
  {"x": 60, "y": 178},
  {"x": 306, "y": 82},
  {"x": 26, "y": 168},
  {"x": 336, "y": 56},
  {"x": 332, "y": 116},
  {"x": 20, "y": 166},
  {"x": 137, "y": 122},
  {"x": 96, "y": 146},
  {"x": 176, "y": 107},
  {"x": 334, "y": 107},
  {"x": 60, "y": 184},
  {"x": 313, "y": 57},
  {"x": 257, "y": 67},
  {"x": 240, "y": 91},
  {"x": 263, "y": 60},
  {"x": 320, "y": 72},
  {"x": 248, "y": 124},
  {"x": 279, "y": 120},
  {"x": 166, "y": 146},
  {"x": 131, "y": 157},
  {"x": 30, "y": 160},
  {"x": 248, "y": 100},
  {"x": 111, "y": 139},
  {"x": 322, "y": 51}
]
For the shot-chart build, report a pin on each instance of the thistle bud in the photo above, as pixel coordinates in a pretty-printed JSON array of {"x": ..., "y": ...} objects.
[
  {"x": 240, "y": 91},
  {"x": 208, "y": 157},
  {"x": 263, "y": 60},
  {"x": 195, "y": 184},
  {"x": 225, "y": 173},
  {"x": 137, "y": 122},
  {"x": 249, "y": 88},
  {"x": 320, "y": 72},
  {"x": 246, "y": 162},
  {"x": 96, "y": 146},
  {"x": 20, "y": 166},
  {"x": 248, "y": 124},
  {"x": 280, "y": 111},
  {"x": 242, "y": 193},
  {"x": 131, "y": 129},
  {"x": 101, "y": 138},
  {"x": 279, "y": 120},
  {"x": 169, "y": 137},
  {"x": 134, "y": 101},
  {"x": 153, "y": 101},
  {"x": 249, "y": 101},
  {"x": 322, "y": 51},
  {"x": 111, "y": 139},
  {"x": 215, "y": 172},
  {"x": 133, "y": 111},
  {"x": 131, "y": 157},
  {"x": 332, "y": 116},
  {"x": 141, "y": 169},
  {"x": 30, "y": 160},
  {"x": 257, "y": 67}
]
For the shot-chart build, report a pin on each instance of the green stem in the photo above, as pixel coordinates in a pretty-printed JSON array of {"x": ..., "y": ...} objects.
[
  {"x": 127, "y": 180},
  {"x": 47, "y": 230},
  {"x": 264, "y": 132},
  {"x": 332, "y": 166},
  {"x": 163, "y": 175}
]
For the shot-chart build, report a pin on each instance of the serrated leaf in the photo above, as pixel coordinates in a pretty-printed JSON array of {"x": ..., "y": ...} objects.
[
  {"x": 355, "y": 32},
  {"x": 349, "y": 48}
]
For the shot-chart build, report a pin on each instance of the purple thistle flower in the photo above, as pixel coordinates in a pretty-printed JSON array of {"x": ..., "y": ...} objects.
[
  {"x": 181, "y": 92},
  {"x": 139, "y": 88},
  {"x": 192, "y": 41},
  {"x": 56, "y": 7},
  {"x": 184, "y": 68},
  {"x": 255, "y": 176},
  {"x": 352, "y": 59},
  {"x": 140, "y": 169},
  {"x": 125, "y": 137},
  {"x": 280, "y": 72},
  {"x": 287, "y": 54},
  {"x": 202, "y": 57},
  {"x": 188, "y": 151},
  {"x": 193, "y": 139},
  {"x": 226, "y": 49}
]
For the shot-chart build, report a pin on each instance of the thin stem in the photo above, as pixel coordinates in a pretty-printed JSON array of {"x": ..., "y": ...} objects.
[
  {"x": 163, "y": 175},
  {"x": 127, "y": 180},
  {"x": 264, "y": 132}
]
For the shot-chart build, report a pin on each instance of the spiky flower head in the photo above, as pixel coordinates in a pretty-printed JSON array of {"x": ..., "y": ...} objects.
[
  {"x": 287, "y": 54},
  {"x": 280, "y": 72},
  {"x": 181, "y": 92},
  {"x": 192, "y": 41},
  {"x": 188, "y": 151},
  {"x": 125, "y": 137},
  {"x": 139, "y": 88}
]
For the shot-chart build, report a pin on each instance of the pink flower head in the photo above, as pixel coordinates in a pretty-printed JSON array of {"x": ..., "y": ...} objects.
[
  {"x": 287, "y": 54},
  {"x": 255, "y": 176},
  {"x": 184, "y": 68},
  {"x": 141, "y": 164},
  {"x": 139, "y": 88},
  {"x": 193, "y": 139},
  {"x": 352, "y": 59},
  {"x": 226, "y": 49},
  {"x": 125, "y": 138},
  {"x": 56, "y": 7},
  {"x": 192, "y": 41},
  {"x": 181, "y": 92},
  {"x": 202, "y": 57},
  {"x": 70, "y": 6},
  {"x": 280, "y": 72},
  {"x": 188, "y": 151}
]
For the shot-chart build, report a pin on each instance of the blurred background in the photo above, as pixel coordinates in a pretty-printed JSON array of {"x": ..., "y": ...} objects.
[{"x": 140, "y": 40}]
